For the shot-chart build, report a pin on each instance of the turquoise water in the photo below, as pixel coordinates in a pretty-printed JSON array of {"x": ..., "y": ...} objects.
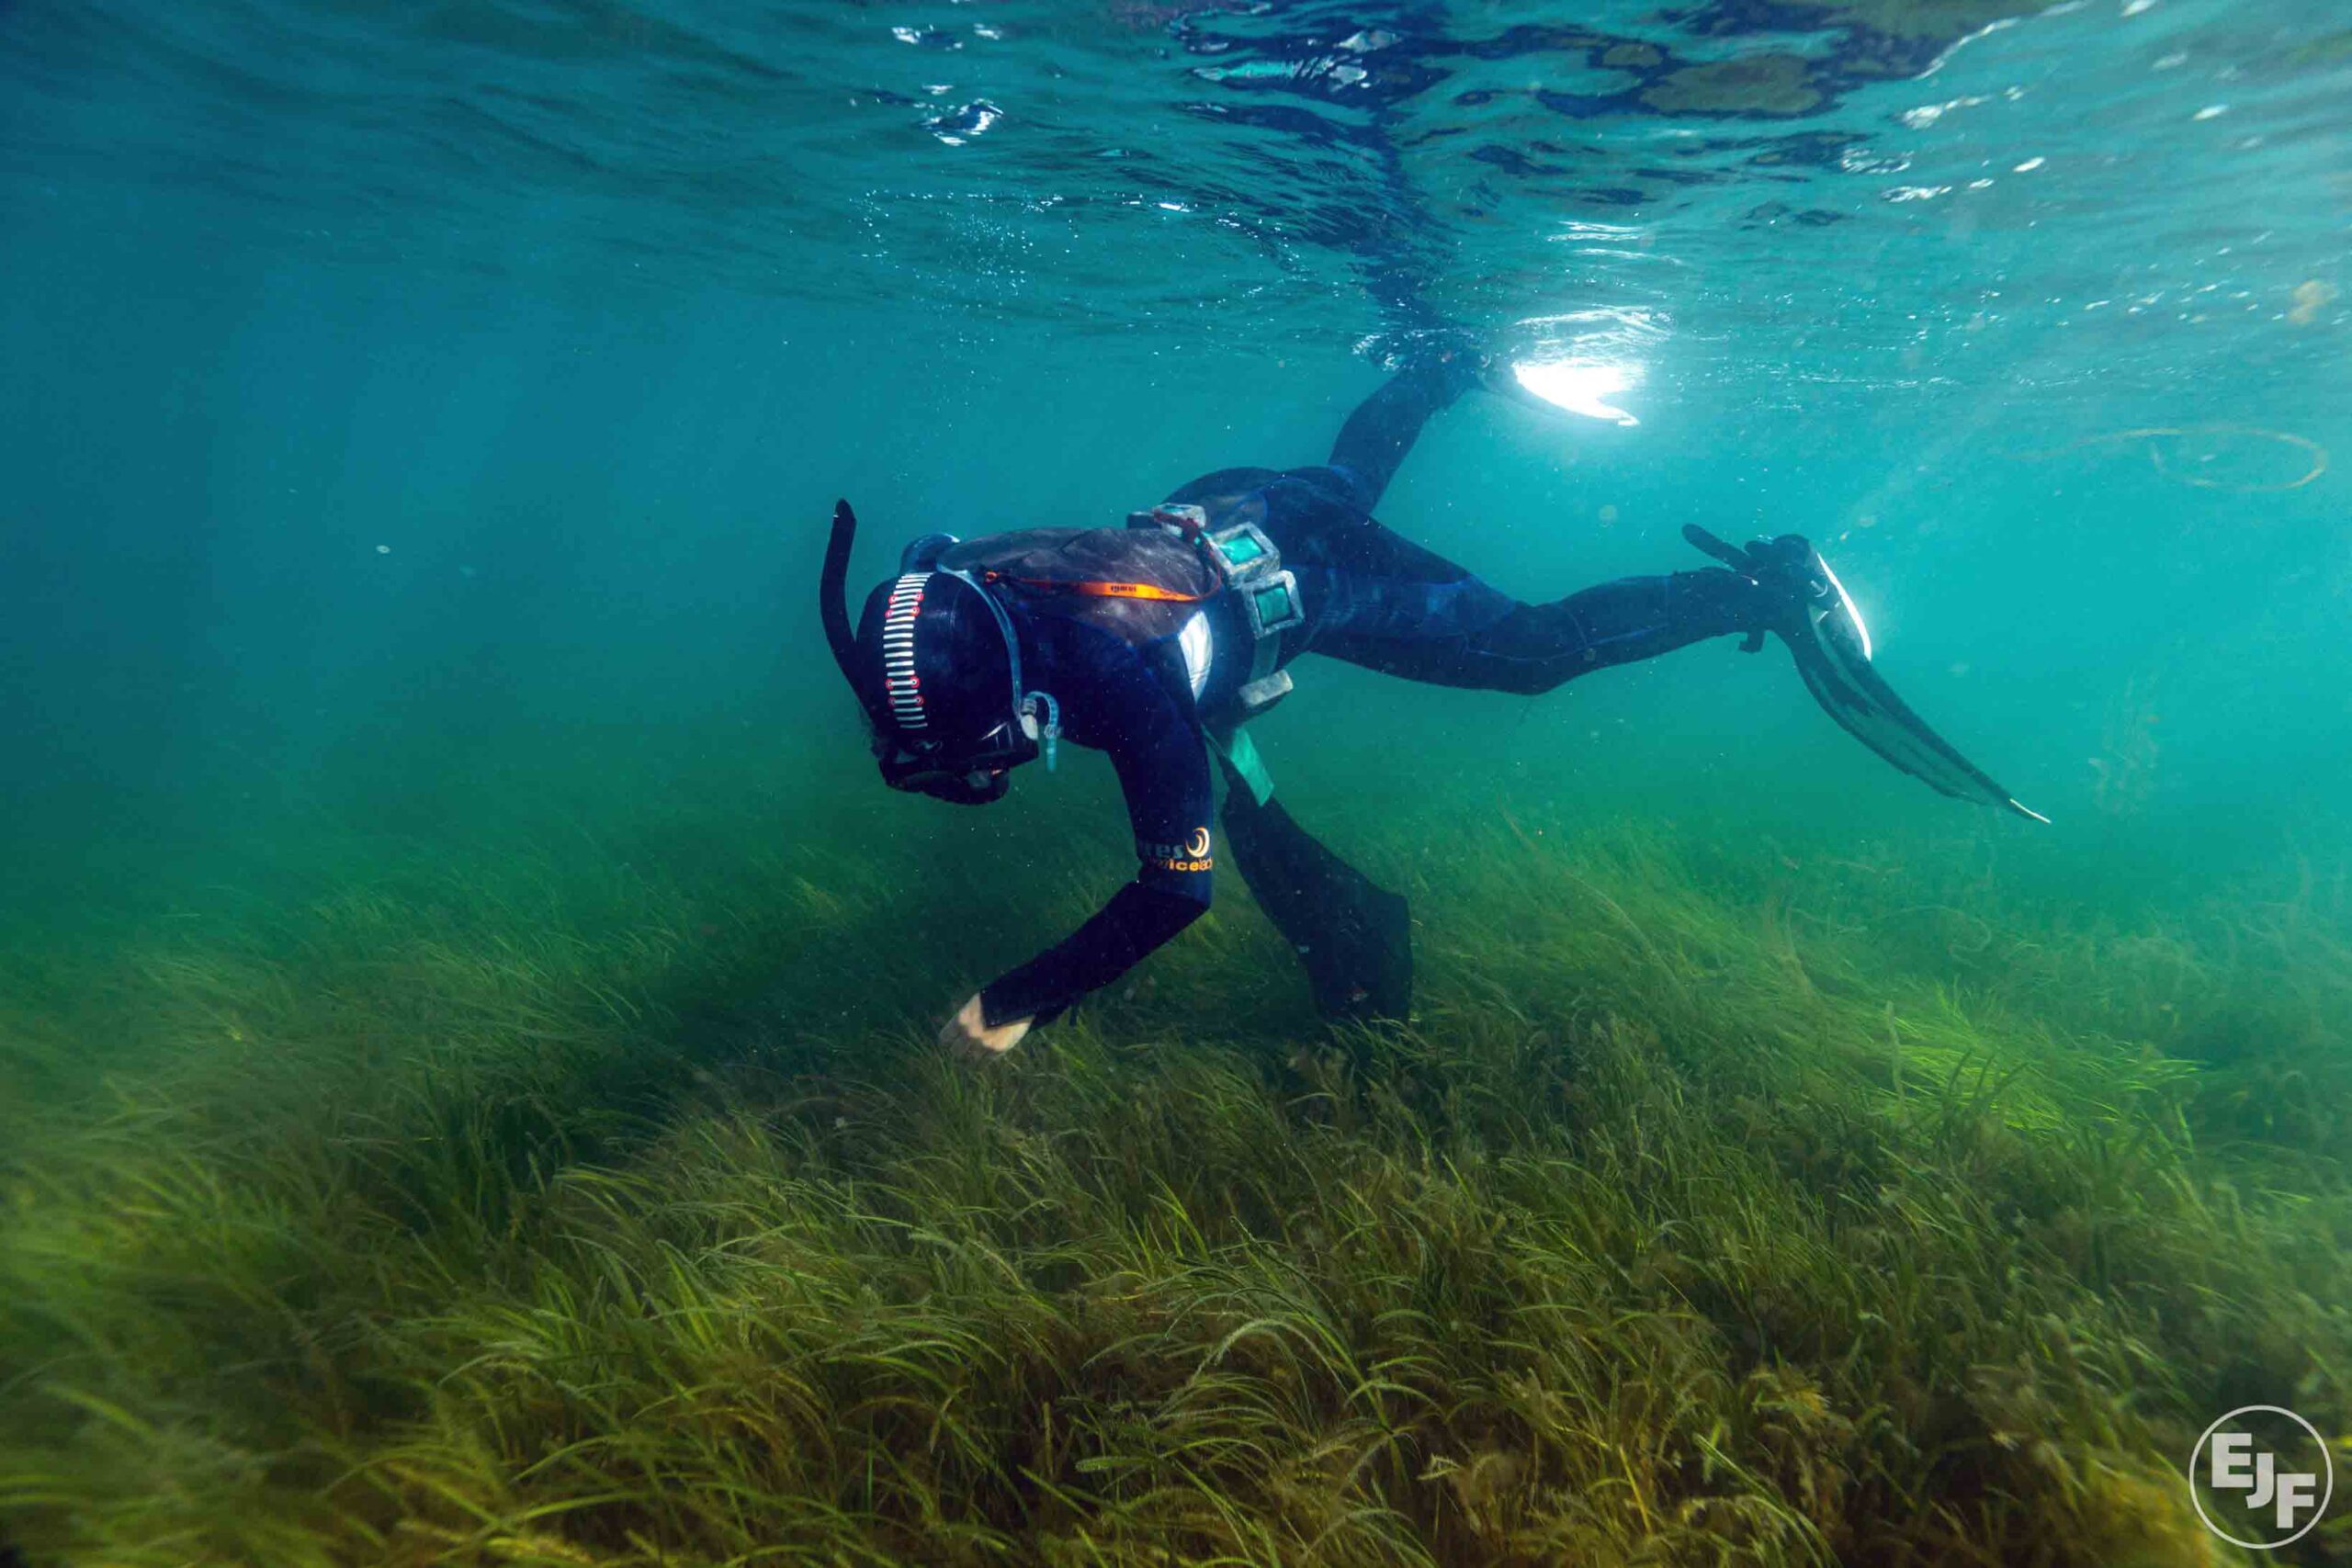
[
  {"x": 424, "y": 419},
  {"x": 421, "y": 387}
]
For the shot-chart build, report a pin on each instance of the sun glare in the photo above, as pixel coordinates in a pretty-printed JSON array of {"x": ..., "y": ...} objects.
[{"x": 1578, "y": 386}]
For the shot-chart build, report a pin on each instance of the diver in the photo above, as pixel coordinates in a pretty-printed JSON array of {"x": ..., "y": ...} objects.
[{"x": 1157, "y": 642}]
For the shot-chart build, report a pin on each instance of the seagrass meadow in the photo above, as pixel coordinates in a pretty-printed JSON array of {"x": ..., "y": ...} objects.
[{"x": 590, "y": 1190}]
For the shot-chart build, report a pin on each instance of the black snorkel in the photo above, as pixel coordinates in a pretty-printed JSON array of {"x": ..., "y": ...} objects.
[{"x": 833, "y": 605}]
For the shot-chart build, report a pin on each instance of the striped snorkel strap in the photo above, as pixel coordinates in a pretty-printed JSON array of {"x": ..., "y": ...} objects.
[{"x": 900, "y": 681}]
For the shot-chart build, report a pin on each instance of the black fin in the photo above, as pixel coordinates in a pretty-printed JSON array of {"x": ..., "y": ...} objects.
[
  {"x": 1354, "y": 938},
  {"x": 1867, "y": 708},
  {"x": 1826, "y": 636}
]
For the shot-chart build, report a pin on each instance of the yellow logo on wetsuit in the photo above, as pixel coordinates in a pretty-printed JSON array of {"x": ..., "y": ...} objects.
[{"x": 1193, "y": 854}]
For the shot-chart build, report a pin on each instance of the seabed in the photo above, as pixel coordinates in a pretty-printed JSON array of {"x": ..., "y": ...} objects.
[{"x": 1719, "y": 1206}]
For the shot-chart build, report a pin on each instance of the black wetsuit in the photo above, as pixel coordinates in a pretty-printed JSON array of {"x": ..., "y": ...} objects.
[{"x": 1370, "y": 596}]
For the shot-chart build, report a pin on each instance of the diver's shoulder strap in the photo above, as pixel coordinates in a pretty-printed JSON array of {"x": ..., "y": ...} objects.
[
  {"x": 1247, "y": 565},
  {"x": 1233, "y": 746}
]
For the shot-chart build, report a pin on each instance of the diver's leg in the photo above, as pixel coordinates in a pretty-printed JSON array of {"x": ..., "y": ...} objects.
[
  {"x": 1476, "y": 636},
  {"x": 1381, "y": 601},
  {"x": 1445, "y": 627},
  {"x": 1372, "y": 443}
]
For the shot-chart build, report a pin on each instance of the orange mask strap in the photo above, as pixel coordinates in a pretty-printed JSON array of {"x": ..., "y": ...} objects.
[{"x": 1100, "y": 590}]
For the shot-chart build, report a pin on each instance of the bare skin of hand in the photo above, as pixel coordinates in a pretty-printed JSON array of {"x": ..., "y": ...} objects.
[{"x": 968, "y": 1034}]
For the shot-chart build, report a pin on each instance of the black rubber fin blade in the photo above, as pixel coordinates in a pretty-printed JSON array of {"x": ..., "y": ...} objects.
[
  {"x": 1353, "y": 937},
  {"x": 1851, "y": 692}
]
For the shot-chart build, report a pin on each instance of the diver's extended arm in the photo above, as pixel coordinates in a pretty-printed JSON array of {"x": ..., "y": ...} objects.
[{"x": 1164, "y": 771}]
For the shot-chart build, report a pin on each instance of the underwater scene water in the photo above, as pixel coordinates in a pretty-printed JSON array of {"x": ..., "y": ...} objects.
[{"x": 472, "y": 1087}]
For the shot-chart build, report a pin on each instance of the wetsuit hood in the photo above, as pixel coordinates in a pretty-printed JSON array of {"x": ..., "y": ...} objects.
[
  {"x": 935, "y": 662},
  {"x": 932, "y": 658}
]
